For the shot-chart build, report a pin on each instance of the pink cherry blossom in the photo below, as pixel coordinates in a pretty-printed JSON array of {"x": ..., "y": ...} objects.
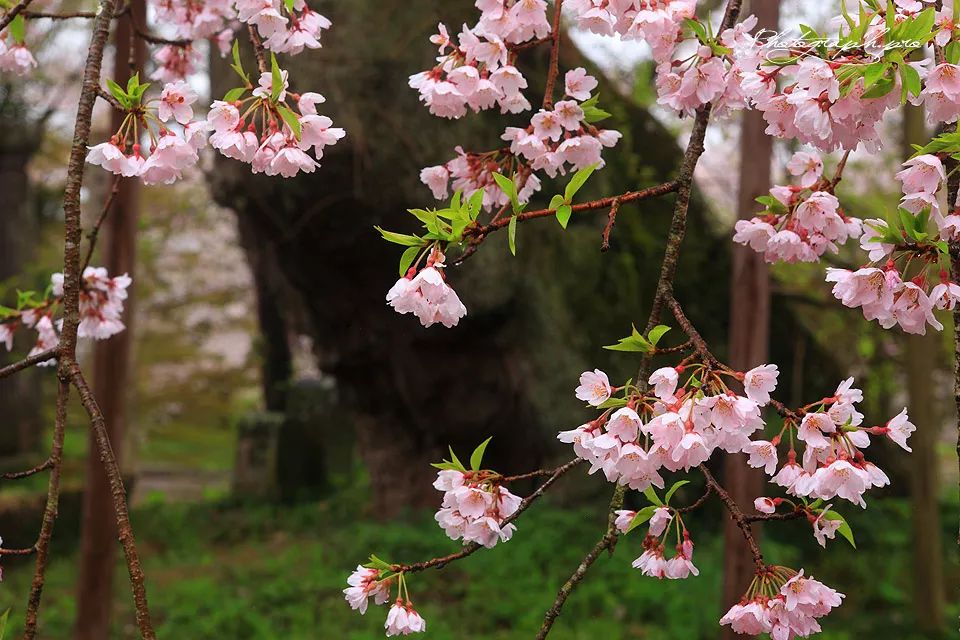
[{"x": 594, "y": 387}]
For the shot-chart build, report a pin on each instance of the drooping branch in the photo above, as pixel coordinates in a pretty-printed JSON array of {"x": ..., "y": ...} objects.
[
  {"x": 30, "y": 361},
  {"x": 554, "y": 68},
  {"x": 735, "y": 512},
  {"x": 14, "y": 11}
]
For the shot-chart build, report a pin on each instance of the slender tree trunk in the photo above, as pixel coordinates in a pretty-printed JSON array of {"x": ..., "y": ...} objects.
[
  {"x": 749, "y": 325},
  {"x": 111, "y": 362},
  {"x": 19, "y": 140},
  {"x": 921, "y": 355}
]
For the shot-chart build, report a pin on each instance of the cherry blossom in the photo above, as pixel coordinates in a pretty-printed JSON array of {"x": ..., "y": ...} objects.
[
  {"x": 594, "y": 387},
  {"x": 427, "y": 295}
]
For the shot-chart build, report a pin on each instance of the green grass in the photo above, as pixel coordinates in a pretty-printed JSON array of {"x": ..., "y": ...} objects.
[{"x": 263, "y": 571}]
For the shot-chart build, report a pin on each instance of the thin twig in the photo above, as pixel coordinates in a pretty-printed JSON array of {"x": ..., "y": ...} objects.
[
  {"x": 554, "y": 68},
  {"x": 18, "y": 475},
  {"x": 94, "y": 232},
  {"x": 16, "y": 10},
  {"x": 30, "y": 361},
  {"x": 741, "y": 520},
  {"x": 611, "y": 220},
  {"x": 258, "y": 49}
]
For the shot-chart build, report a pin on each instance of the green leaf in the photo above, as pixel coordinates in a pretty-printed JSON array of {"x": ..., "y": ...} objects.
[
  {"x": 613, "y": 403},
  {"x": 512, "y": 234},
  {"x": 289, "y": 5},
  {"x": 874, "y": 72},
  {"x": 3, "y": 623},
  {"x": 509, "y": 187},
  {"x": 564, "y": 212},
  {"x": 634, "y": 343},
  {"x": 952, "y": 51},
  {"x": 577, "y": 181},
  {"x": 238, "y": 64},
  {"x": 455, "y": 459},
  {"x": 119, "y": 93},
  {"x": 673, "y": 490},
  {"x": 291, "y": 119},
  {"x": 476, "y": 458},
  {"x": 773, "y": 204},
  {"x": 910, "y": 79},
  {"x": 880, "y": 89},
  {"x": 907, "y": 223},
  {"x": 276, "y": 79},
  {"x": 474, "y": 204},
  {"x": 400, "y": 238},
  {"x": 18, "y": 28},
  {"x": 844, "y": 528},
  {"x": 592, "y": 115},
  {"x": 698, "y": 29},
  {"x": 377, "y": 563},
  {"x": 409, "y": 255},
  {"x": 656, "y": 333},
  {"x": 234, "y": 94},
  {"x": 652, "y": 496},
  {"x": 642, "y": 516},
  {"x": 556, "y": 201}
]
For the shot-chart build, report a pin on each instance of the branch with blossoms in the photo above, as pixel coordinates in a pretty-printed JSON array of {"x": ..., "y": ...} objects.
[
  {"x": 262, "y": 123},
  {"x": 829, "y": 91}
]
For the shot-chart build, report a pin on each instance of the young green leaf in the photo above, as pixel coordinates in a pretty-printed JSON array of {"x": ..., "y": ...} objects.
[
  {"x": 911, "y": 80},
  {"x": 377, "y": 563},
  {"x": 652, "y": 496},
  {"x": 642, "y": 516},
  {"x": 234, "y": 94},
  {"x": 406, "y": 259},
  {"x": 564, "y": 212},
  {"x": 613, "y": 403},
  {"x": 673, "y": 490},
  {"x": 578, "y": 180},
  {"x": 656, "y": 333},
  {"x": 512, "y": 234},
  {"x": 455, "y": 459},
  {"x": 291, "y": 119},
  {"x": 844, "y": 528},
  {"x": 509, "y": 187},
  {"x": 476, "y": 458},
  {"x": 400, "y": 238},
  {"x": 475, "y": 203},
  {"x": 18, "y": 28},
  {"x": 631, "y": 344},
  {"x": 276, "y": 79}
]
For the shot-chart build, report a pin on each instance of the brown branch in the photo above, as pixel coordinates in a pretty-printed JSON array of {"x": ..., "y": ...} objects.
[
  {"x": 16, "y": 10},
  {"x": 611, "y": 220},
  {"x": 17, "y": 475},
  {"x": 691, "y": 332},
  {"x": 472, "y": 547},
  {"x": 42, "y": 546},
  {"x": 152, "y": 39},
  {"x": 113, "y": 102},
  {"x": 699, "y": 501},
  {"x": 741, "y": 520},
  {"x": 554, "y": 68},
  {"x": 838, "y": 176},
  {"x": 118, "y": 493},
  {"x": 30, "y": 361},
  {"x": 606, "y": 543},
  {"x": 84, "y": 15},
  {"x": 95, "y": 230},
  {"x": 29, "y": 551},
  {"x": 766, "y": 517},
  {"x": 258, "y": 49},
  {"x": 602, "y": 203},
  {"x": 539, "y": 473}
]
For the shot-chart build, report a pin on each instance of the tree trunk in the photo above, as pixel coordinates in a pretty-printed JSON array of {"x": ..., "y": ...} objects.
[
  {"x": 749, "y": 327},
  {"x": 922, "y": 355},
  {"x": 19, "y": 140},
  {"x": 111, "y": 381}
]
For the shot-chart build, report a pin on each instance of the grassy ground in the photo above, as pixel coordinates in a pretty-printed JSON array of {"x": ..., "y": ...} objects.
[{"x": 266, "y": 572}]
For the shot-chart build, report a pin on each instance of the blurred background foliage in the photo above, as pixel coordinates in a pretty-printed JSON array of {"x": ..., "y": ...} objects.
[{"x": 281, "y": 417}]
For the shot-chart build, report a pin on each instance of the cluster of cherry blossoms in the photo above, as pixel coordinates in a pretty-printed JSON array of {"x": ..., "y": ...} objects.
[
  {"x": 370, "y": 582},
  {"x": 169, "y": 150},
  {"x": 101, "y": 310},
  {"x": 801, "y": 222},
  {"x": 280, "y": 146},
  {"x": 426, "y": 294},
  {"x": 658, "y": 22},
  {"x": 284, "y": 27},
  {"x": 684, "y": 425},
  {"x": 652, "y": 561},
  {"x": 557, "y": 140},
  {"x": 475, "y": 506},
  {"x": 883, "y": 289},
  {"x": 783, "y": 603}
]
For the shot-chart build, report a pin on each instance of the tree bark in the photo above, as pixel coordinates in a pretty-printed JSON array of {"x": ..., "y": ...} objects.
[
  {"x": 111, "y": 377},
  {"x": 749, "y": 326},
  {"x": 922, "y": 356}
]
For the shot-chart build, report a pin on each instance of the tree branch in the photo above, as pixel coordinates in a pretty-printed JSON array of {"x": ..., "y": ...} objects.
[
  {"x": 16, "y": 10},
  {"x": 30, "y": 361},
  {"x": 554, "y": 68}
]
